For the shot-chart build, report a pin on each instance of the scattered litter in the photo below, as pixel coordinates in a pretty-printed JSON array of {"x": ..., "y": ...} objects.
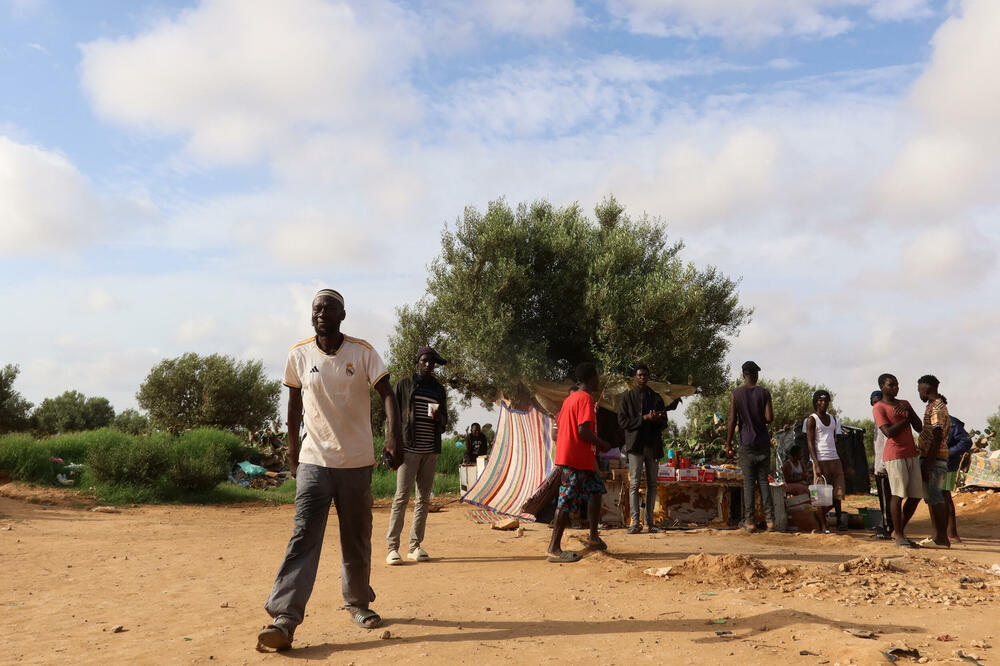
[
  {"x": 385, "y": 635},
  {"x": 807, "y": 653},
  {"x": 995, "y": 569},
  {"x": 118, "y": 628},
  {"x": 520, "y": 532},
  {"x": 186, "y": 638},
  {"x": 224, "y": 604},
  {"x": 105, "y": 509},
  {"x": 860, "y": 633},
  {"x": 719, "y": 620},
  {"x": 724, "y": 632},
  {"x": 944, "y": 638},
  {"x": 662, "y": 572},
  {"x": 971, "y": 658},
  {"x": 982, "y": 645}
]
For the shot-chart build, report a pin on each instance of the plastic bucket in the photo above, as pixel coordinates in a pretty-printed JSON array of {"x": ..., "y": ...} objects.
[{"x": 821, "y": 494}]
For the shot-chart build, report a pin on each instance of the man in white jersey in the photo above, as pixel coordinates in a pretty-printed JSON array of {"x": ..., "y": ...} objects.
[
  {"x": 328, "y": 376},
  {"x": 822, "y": 429}
]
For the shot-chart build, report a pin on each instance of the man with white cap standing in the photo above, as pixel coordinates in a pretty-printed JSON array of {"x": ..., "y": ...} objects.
[{"x": 328, "y": 377}]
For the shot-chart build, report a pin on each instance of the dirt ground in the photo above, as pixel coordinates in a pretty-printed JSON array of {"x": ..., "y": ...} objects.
[{"x": 187, "y": 585}]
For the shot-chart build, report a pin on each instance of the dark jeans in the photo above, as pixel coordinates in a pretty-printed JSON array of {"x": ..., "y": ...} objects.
[
  {"x": 755, "y": 466},
  {"x": 884, "y": 496},
  {"x": 635, "y": 476}
]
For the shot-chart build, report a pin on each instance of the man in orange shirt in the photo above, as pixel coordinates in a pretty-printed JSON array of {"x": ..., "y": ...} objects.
[{"x": 576, "y": 445}]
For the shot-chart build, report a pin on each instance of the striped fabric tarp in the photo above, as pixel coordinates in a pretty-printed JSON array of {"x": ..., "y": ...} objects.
[{"x": 521, "y": 457}]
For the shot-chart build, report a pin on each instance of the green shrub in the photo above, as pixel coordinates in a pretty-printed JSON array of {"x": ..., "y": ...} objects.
[
  {"x": 124, "y": 460},
  {"x": 201, "y": 459},
  {"x": 452, "y": 452},
  {"x": 24, "y": 459},
  {"x": 72, "y": 447}
]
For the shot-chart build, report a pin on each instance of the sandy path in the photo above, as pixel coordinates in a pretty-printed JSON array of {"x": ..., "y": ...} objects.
[{"x": 166, "y": 573}]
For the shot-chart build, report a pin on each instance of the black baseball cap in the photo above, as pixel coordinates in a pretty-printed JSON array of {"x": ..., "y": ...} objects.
[
  {"x": 750, "y": 366},
  {"x": 426, "y": 349},
  {"x": 876, "y": 395}
]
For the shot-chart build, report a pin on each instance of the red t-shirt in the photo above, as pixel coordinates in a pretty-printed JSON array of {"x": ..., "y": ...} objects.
[
  {"x": 900, "y": 446},
  {"x": 570, "y": 449}
]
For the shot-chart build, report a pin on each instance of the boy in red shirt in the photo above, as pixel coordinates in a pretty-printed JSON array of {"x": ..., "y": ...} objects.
[
  {"x": 576, "y": 443},
  {"x": 897, "y": 420}
]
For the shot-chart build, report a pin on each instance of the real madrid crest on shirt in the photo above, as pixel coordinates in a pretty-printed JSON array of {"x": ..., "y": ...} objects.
[{"x": 350, "y": 369}]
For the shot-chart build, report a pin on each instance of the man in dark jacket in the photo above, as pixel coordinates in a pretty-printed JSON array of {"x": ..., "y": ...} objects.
[
  {"x": 959, "y": 443},
  {"x": 423, "y": 402},
  {"x": 643, "y": 416}
]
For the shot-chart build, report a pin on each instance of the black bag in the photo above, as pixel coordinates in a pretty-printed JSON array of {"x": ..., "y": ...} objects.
[{"x": 544, "y": 494}]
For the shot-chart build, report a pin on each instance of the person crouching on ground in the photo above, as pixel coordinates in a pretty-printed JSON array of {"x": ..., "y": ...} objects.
[
  {"x": 424, "y": 403},
  {"x": 933, "y": 448},
  {"x": 750, "y": 407},
  {"x": 822, "y": 429},
  {"x": 576, "y": 444},
  {"x": 794, "y": 472}
]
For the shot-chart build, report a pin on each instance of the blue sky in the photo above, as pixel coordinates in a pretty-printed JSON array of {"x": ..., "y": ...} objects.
[{"x": 182, "y": 176}]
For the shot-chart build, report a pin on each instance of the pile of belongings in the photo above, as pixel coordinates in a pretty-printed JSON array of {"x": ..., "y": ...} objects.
[{"x": 250, "y": 475}]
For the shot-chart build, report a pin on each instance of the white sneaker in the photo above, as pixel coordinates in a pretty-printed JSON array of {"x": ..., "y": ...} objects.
[
  {"x": 393, "y": 558},
  {"x": 418, "y": 554}
]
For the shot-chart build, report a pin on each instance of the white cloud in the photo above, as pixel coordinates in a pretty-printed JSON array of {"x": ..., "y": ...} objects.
[
  {"x": 545, "y": 97},
  {"x": 100, "y": 299},
  {"x": 45, "y": 202},
  {"x": 900, "y": 10},
  {"x": 755, "y": 20},
  {"x": 949, "y": 164},
  {"x": 237, "y": 77},
  {"x": 945, "y": 257},
  {"x": 528, "y": 17},
  {"x": 196, "y": 330}
]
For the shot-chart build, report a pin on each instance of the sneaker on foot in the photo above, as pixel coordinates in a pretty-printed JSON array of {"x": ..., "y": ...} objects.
[
  {"x": 418, "y": 554},
  {"x": 393, "y": 558}
]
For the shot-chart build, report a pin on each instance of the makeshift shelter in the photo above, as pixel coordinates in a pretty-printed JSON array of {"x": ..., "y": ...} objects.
[
  {"x": 524, "y": 447},
  {"x": 521, "y": 457}
]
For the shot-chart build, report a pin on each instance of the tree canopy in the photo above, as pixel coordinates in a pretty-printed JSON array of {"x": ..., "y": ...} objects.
[
  {"x": 133, "y": 422},
  {"x": 14, "y": 409},
  {"x": 73, "y": 411},
  {"x": 791, "y": 399},
  {"x": 216, "y": 391},
  {"x": 522, "y": 294}
]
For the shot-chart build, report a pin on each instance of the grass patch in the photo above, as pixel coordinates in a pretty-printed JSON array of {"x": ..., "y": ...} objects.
[{"x": 123, "y": 469}]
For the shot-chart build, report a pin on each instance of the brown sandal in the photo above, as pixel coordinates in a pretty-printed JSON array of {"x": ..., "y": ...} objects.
[{"x": 276, "y": 637}]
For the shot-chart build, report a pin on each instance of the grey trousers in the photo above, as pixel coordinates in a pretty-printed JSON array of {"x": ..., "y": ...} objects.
[
  {"x": 350, "y": 491},
  {"x": 635, "y": 464},
  {"x": 755, "y": 466},
  {"x": 419, "y": 467}
]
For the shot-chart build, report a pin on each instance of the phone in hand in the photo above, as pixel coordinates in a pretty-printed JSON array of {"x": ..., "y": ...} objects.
[{"x": 387, "y": 459}]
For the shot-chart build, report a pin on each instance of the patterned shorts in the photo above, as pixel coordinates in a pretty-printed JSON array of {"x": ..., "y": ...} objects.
[
  {"x": 949, "y": 482},
  {"x": 576, "y": 488}
]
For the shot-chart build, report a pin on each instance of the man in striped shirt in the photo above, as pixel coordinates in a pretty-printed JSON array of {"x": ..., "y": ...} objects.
[
  {"x": 933, "y": 448},
  {"x": 424, "y": 404}
]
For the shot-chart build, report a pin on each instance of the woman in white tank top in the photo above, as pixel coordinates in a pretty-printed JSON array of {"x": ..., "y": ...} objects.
[{"x": 822, "y": 429}]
